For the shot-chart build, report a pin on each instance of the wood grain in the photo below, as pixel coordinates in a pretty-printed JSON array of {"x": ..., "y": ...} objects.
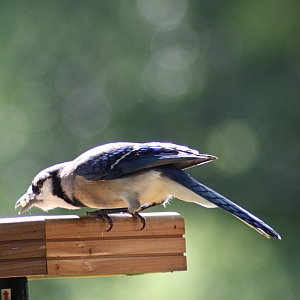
[
  {"x": 82, "y": 246},
  {"x": 117, "y": 265},
  {"x": 124, "y": 225},
  {"x": 92, "y": 248},
  {"x": 23, "y": 249},
  {"x": 26, "y": 229},
  {"x": 25, "y": 267}
]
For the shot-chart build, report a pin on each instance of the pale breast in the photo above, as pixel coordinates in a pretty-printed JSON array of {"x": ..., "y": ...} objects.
[{"x": 144, "y": 187}]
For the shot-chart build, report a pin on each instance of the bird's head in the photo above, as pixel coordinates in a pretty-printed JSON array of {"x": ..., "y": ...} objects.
[{"x": 41, "y": 192}]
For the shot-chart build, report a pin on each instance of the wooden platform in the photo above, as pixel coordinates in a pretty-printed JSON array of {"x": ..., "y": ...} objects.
[{"x": 80, "y": 246}]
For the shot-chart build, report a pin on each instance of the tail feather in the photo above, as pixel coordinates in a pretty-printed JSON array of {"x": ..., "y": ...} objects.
[{"x": 205, "y": 192}]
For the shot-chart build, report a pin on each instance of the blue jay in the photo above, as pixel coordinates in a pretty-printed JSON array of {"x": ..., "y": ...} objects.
[{"x": 119, "y": 177}]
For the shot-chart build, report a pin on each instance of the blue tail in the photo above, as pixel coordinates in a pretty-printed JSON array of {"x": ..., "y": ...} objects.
[{"x": 205, "y": 192}]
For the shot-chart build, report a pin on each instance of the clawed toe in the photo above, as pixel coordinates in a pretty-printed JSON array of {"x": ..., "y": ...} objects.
[
  {"x": 100, "y": 215},
  {"x": 143, "y": 220}
]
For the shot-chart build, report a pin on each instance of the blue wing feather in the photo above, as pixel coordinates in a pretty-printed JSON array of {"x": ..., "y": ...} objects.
[{"x": 118, "y": 159}]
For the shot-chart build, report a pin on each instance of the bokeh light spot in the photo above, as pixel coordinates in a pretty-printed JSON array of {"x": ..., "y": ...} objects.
[
  {"x": 237, "y": 146},
  {"x": 162, "y": 12},
  {"x": 86, "y": 112},
  {"x": 169, "y": 74},
  {"x": 175, "y": 48},
  {"x": 165, "y": 84}
]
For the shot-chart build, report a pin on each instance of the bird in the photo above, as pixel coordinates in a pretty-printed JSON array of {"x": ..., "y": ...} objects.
[{"x": 129, "y": 177}]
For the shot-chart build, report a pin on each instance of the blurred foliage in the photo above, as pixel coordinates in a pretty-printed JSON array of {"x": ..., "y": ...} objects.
[{"x": 219, "y": 76}]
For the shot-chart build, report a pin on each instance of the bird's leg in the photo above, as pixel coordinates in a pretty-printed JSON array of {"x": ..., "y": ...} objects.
[{"x": 148, "y": 205}]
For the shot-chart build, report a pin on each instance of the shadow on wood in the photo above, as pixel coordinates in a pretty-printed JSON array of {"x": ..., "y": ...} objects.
[{"x": 80, "y": 246}]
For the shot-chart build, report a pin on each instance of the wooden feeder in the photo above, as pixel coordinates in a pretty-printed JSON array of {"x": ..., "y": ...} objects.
[{"x": 69, "y": 245}]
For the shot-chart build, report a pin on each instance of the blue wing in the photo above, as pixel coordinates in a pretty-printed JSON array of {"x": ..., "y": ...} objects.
[{"x": 114, "y": 160}]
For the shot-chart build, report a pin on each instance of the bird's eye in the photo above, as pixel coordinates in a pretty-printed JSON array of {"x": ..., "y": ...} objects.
[{"x": 40, "y": 183}]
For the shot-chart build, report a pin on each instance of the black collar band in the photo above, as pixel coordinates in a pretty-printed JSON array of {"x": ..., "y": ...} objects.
[{"x": 58, "y": 191}]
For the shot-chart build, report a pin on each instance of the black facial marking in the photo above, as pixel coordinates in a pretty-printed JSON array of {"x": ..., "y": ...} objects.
[
  {"x": 35, "y": 189},
  {"x": 58, "y": 191},
  {"x": 40, "y": 183}
]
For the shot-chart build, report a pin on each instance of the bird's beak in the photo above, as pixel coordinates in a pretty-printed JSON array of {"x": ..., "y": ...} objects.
[{"x": 26, "y": 201}]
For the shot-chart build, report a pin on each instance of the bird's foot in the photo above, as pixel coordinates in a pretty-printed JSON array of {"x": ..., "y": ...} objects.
[
  {"x": 138, "y": 216},
  {"x": 102, "y": 214}
]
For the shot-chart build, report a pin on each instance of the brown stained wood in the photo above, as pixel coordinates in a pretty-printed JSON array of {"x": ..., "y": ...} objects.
[
  {"x": 92, "y": 248},
  {"x": 73, "y": 245},
  {"x": 31, "y": 267},
  {"x": 26, "y": 229},
  {"x": 117, "y": 265},
  {"x": 22, "y": 249},
  {"x": 124, "y": 225}
]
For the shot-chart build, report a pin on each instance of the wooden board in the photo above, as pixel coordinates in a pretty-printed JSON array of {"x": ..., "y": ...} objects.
[
  {"x": 82, "y": 246},
  {"x": 116, "y": 265}
]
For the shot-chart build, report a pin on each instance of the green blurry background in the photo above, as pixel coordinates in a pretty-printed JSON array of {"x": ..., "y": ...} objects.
[{"x": 219, "y": 76}]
